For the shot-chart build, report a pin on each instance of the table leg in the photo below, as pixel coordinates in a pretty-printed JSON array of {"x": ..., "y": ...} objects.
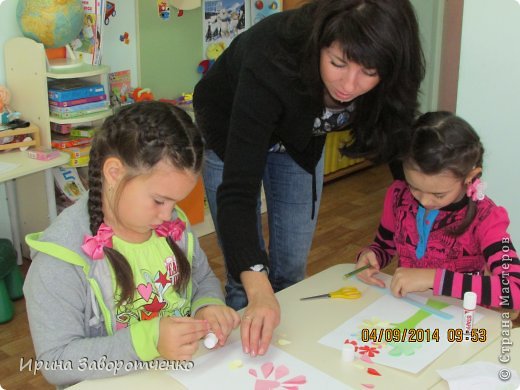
[
  {"x": 12, "y": 206},
  {"x": 51, "y": 196}
]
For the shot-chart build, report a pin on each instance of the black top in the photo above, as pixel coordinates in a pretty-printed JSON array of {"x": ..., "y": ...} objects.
[{"x": 245, "y": 104}]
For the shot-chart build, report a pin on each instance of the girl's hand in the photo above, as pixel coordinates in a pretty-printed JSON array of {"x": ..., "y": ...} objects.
[
  {"x": 369, "y": 257},
  {"x": 179, "y": 337},
  {"x": 222, "y": 320},
  {"x": 407, "y": 280}
]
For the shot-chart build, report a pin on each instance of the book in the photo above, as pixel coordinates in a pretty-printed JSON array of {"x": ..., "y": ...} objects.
[
  {"x": 72, "y": 89},
  {"x": 65, "y": 128},
  {"x": 68, "y": 182},
  {"x": 120, "y": 88},
  {"x": 76, "y": 114},
  {"x": 83, "y": 131},
  {"x": 78, "y": 151},
  {"x": 87, "y": 46},
  {"x": 62, "y": 141},
  {"x": 78, "y": 161},
  {"x": 79, "y": 107},
  {"x": 75, "y": 102}
]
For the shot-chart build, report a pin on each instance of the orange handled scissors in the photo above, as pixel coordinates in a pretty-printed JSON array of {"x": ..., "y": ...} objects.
[{"x": 344, "y": 292}]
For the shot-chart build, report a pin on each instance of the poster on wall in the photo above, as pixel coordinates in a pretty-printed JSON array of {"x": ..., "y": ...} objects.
[
  {"x": 223, "y": 20},
  {"x": 263, "y": 8}
]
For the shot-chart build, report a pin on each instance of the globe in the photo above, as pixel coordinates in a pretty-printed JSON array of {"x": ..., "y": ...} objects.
[{"x": 51, "y": 22}]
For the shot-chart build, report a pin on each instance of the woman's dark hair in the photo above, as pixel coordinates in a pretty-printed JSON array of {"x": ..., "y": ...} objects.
[
  {"x": 141, "y": 135},
  {"x": 442, "y": 141},
  {"x": 377, "y": 34}
]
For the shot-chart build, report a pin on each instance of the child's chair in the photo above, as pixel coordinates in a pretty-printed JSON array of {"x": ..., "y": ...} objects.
[{"x": 11, "y": 280}]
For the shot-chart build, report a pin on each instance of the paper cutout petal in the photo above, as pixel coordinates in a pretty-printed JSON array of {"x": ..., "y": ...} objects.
[
  {"x": 297, "y": 380},
  {"x": 280, "y": 372},
  {"x": 265, "y": 384},
  {"x": 371, "y": 371},
  {"x": 267, "y": 369},
  {"x": 235, "y": 364},
  {"x": 252, "y": 371},
  {"x": 365, "y": 358},
  {"x": 283, "y": 342},
  {"x": 368, "y": 385}
]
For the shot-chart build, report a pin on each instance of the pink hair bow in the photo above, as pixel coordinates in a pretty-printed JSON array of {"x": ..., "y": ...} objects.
[
  {"x": 173, "y": 229},
  {"x": 475, "y": 190},
  {"x": 93, "y": 245}
]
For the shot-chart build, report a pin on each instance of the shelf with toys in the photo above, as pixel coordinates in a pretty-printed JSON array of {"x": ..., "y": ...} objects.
[{"x": 29, "y": 80}]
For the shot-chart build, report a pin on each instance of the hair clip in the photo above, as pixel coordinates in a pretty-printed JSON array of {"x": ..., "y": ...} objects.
[{"x": 475, "y": 190}]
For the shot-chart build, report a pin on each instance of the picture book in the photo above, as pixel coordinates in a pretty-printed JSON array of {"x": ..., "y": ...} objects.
[
  {"x": 68, "y": 182},
  {"x": 61, "y": 141},
  {"x": 87, "y": 46},
  {"x": 75, "y": 102},
  {"x": 79, "y": 107},
  {"x": 120, "y": 88},
  {"x": 72, "y": 89}
]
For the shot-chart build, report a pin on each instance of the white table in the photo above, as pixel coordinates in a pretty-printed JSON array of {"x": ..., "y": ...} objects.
[
  {"x": 26, "y": 166},
  {"x": 304, "y": 323}
]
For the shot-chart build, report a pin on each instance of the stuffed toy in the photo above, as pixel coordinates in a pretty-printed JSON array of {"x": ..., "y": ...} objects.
[
  {"x": 213, "y": 51},
  {"x": 5, "y": 98},
  {"x": 142, "y": 94}
]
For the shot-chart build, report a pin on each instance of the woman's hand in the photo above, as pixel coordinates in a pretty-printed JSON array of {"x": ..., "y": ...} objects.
[
  {"x": 179, "y": 337},
  {"x": 369, "y": 257},
  {"x": 262, "y": 314},
  {"x": 407, "y": 280},
  {"x": 222, "y": 320}
]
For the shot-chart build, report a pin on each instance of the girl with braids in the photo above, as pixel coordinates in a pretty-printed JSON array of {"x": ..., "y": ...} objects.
[
  {"x": 447, "y": 234},
  {"x": 119, "y": 275}
]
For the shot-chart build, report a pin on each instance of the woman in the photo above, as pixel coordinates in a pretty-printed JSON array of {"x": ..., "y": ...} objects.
[{"x": 265, "y": 107}]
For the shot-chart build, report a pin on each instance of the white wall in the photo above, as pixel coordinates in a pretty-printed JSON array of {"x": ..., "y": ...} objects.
[
  {"x": 8, "y": 29},
  {"x": 488, "y": 94}
]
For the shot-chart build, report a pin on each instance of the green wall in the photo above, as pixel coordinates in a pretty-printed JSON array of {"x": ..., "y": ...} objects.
[{"x": 169, "y": 50}]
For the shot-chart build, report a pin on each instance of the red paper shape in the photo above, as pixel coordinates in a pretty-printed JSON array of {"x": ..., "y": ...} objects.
[{"x": 372, "y": 371}]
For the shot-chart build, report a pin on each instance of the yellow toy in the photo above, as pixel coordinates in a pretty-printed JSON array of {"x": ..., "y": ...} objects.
[{"x": 213, "y": 51}]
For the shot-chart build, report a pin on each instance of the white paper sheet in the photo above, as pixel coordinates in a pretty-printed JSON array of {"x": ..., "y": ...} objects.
[
  {"x": 384, "y": 313},
  {"x": 230, "y": 368}
]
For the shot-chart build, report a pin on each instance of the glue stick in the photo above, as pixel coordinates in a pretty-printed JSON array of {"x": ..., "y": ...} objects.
[
  {"x": 348, "y": 353},
  {"x": 210, "y": 340},
  {"x": 469, "y": 305}
]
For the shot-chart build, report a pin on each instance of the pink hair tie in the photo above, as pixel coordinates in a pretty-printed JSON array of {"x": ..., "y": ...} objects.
[
  {"x": 93, "y": 245},
  {"x": 475, "y": 190},
  {"x": 173, "y": 229}
]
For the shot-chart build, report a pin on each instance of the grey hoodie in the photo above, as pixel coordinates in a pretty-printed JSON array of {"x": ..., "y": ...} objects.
[{"x": 70, "y": 304}]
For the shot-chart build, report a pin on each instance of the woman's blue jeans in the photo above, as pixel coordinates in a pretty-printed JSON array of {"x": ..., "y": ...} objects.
[{"x": 288, "y": 190}]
